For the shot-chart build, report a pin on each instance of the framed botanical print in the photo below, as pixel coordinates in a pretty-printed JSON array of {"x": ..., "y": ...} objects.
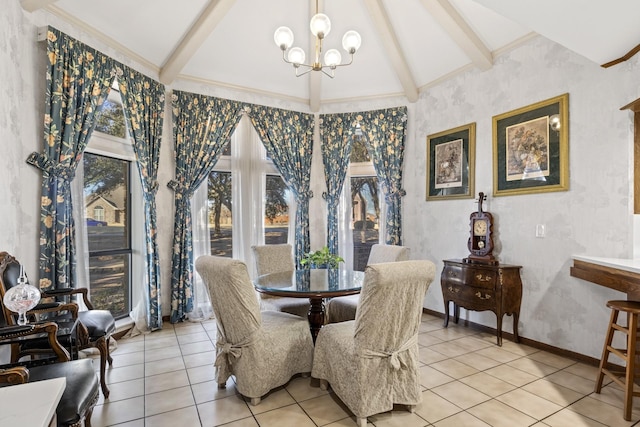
[
  {"x": 450, "y": 163},
  {"x": 531, "y": 148}
]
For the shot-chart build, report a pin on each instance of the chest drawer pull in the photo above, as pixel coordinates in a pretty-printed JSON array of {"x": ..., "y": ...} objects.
[
  {"x": 482, "y": 278},
  {"x": 486, "y": 296},
  {"x": 454, "y": 290},
  {"x": 452, "y": 273}
]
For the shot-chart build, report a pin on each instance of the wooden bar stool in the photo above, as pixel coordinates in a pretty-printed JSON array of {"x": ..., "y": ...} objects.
[{"x": 624, "y": 378}]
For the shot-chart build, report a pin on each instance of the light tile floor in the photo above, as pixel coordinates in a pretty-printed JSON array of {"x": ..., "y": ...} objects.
[{"x": 166, "y": 378}]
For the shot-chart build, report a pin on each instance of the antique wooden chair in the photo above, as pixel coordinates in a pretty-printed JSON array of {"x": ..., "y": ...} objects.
[
  {"x": 94, "y": 329},
  {"x": 81, "y": 391}
]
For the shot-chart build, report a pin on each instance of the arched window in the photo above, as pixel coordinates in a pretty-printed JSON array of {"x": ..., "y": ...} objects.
[{"x": 98, "y": 213}]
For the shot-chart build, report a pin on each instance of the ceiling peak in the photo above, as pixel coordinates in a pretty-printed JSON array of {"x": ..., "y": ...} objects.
[{"x": 193, "y": 39}]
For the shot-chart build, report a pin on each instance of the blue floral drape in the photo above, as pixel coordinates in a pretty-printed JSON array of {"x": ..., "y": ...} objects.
[
  {"x": 78, "y": 81},
  {"x": 143, "y": 105},
  {"x": 288, "y": 139},
  {"x": 336, "y": 135},
  {"x": 202, "y": 126},
  {"x": 386, "y": 132}
]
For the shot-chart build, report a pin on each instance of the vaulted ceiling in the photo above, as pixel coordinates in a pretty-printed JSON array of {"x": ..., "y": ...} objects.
[{"x": 407, "y": 45}]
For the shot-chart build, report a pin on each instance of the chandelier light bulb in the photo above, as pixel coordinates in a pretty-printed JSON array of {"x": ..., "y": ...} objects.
[
  {"x": 332, "y": 58},
  {"x": 320, "y": 25},
  {"x": 283, "y": 37},
  {"x": 351, "y": 41},
  {"x": 296, "y": 56}
]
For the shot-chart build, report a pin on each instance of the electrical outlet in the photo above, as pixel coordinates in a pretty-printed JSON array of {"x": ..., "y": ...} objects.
[{"x": 540, "y": 230}]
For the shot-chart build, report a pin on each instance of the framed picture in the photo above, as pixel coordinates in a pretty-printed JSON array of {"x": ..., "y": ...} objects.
[
  {"x": 531, "y": 148},
  {"x": 450, "y": 163}
]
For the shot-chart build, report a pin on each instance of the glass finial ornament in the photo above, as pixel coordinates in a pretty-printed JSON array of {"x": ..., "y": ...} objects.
[{"x": 22, "y": 297}]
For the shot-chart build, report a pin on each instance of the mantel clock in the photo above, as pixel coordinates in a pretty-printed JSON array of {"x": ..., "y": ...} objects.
[{"x": 480, "y": 241}]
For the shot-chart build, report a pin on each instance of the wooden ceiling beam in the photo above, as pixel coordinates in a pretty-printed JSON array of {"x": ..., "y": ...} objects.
[
  {"x": 33, "y": 5},
  {"x": 461, "y": 33},
  {"x": 392, "y": 48},
  {"x": 623, "y": 58},
  {"x": 193, "y": 39}
]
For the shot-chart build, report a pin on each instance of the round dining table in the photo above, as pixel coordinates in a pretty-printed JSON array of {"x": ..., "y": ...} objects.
[{"x": 315, "y": 284}]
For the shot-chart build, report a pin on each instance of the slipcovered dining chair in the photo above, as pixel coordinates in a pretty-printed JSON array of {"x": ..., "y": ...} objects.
[
  {"x": 263, "y": 350},
  {"x": 341, "y": 309},
  {"x": 274, "y": 259},
  {"x": 372, "y": 362}
]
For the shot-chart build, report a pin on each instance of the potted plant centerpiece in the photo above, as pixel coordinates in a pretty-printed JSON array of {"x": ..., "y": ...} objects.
[{"x": 321, "y": 258}]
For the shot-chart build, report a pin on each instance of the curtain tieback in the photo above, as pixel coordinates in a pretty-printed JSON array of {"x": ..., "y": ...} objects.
[
  {"x": 228, "y": 353},
  {"x": 330, "y": 198},
  {"x": 180, "y": 189},
  {"x": 60, "y": 171},
  {"x": 306, "y": 195},
  {"x": 394, "y": 361},
  {"x": 395, "y": 195},
  {"x": 153, "y": 188}
]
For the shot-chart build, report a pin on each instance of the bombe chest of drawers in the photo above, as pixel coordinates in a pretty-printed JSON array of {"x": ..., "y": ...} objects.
[{"x": 481, "y": 287}]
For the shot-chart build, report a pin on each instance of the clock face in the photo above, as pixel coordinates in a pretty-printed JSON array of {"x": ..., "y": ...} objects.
[
  {"x": 480, "y": 227},
  {"x": 480, "y": 243}
]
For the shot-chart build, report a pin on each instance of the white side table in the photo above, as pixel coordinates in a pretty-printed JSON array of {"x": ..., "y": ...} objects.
[{"x": 32, "y": 404}]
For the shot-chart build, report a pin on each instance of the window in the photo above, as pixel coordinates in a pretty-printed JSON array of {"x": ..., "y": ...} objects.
[
  {"x": 98, "y": 213},
  {"x": 365, "y": 203},
  {"x": 248, "y": 201},
  {"x": 111, "y": 117},
  {"x": 106, "y": 181},
  {"x": 276, "y": 211},
  {"x": 220, "y": 209},
  {"x": 109, "y": 220}
]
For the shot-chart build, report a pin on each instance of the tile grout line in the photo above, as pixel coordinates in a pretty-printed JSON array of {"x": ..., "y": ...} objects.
[{"x": 452, "y": 340}]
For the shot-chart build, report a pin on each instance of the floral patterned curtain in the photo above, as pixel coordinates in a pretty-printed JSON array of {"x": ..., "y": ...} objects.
[
  {"x": 78, "y": 81},
  {"x": 202, "y": 126},
  {"x": 386, "y": 131},
  {"x": 288, "y": 139},
  {"x": 336, "y": 134},
  {"x": 143, "y": 105}
]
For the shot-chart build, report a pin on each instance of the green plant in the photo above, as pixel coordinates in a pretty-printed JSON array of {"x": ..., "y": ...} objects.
[{"x": 321, "y": 257}]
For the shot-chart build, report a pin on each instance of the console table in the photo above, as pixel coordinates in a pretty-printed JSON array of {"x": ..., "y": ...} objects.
[
  {"x": 481, "y": 287},
  {"x": 620, "y": 274}
]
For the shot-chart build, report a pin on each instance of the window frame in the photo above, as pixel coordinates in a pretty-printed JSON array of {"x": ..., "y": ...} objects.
[{"x": 106, "y": 145}]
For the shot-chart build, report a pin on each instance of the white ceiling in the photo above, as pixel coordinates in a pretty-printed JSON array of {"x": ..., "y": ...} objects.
[{"x": 407, "y": 45}]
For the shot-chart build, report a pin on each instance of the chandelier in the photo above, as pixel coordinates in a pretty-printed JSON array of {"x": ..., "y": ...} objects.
[{"x": 320, "y": 27}]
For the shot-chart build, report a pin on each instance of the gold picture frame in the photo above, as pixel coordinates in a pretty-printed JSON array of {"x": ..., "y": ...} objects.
[
  {"x": 531, "y": 148},
  {"x": 451, "y": 157}
]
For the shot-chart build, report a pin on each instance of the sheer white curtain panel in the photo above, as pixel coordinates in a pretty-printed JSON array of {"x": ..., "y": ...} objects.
[{"x": 202, "y": 308}]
